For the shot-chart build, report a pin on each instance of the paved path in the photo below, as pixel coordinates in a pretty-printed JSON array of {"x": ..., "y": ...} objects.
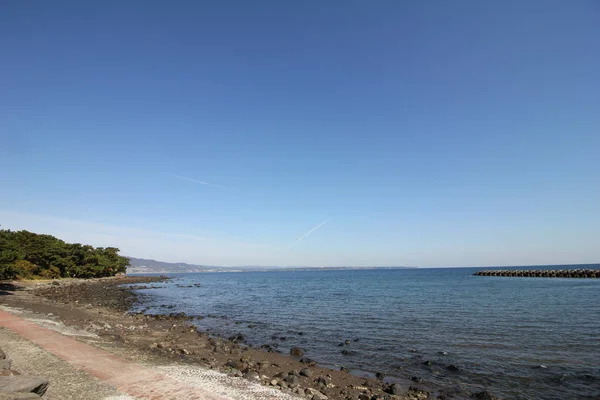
[{"x": 126, "y": 376}]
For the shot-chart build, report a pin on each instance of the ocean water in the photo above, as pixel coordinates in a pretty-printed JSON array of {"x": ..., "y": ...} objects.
[{"x": 520, "y": 338}]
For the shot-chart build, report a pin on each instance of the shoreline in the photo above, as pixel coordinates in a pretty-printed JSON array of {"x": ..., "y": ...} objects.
[{"x": 101, "y": 306}]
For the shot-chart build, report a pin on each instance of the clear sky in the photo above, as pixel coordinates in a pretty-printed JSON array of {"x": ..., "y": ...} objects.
[{"x": 438, "y": 133}]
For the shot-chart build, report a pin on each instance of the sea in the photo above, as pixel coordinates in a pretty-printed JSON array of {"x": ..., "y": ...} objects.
[{"x": 518, "y": 338}]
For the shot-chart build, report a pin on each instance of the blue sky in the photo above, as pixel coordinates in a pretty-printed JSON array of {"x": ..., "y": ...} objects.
[{"x": 422, "y": 133}]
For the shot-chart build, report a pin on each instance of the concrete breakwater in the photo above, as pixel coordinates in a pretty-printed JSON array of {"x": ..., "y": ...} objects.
[{"x": 542, "y": 273}]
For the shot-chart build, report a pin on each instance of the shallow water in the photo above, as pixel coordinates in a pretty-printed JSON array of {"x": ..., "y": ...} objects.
[{"x": 498, "y": 331}]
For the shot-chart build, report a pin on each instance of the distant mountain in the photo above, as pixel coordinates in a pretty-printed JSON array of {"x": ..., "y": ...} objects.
[
  {"x": 143, "y": 265},
  {"x": 147, "y": 266}
]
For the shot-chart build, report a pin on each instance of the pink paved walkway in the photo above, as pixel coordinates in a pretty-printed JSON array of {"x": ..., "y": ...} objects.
[{"x": 126, "y": 376}]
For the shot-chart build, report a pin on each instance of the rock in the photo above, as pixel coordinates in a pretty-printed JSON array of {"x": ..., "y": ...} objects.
[
  {"x": 417, "y": 379},
  {"x": 347, "y": 342},
  {"x": 296, "y": 351},
  {"x": 19, "y": 396},
  {"x": 377, "y": 397},
  {"x": 394, "y": 388},
  {"x": 322, "y": 381},
  {"x": 236, "y": 364},
  {"x": 344, "y": 369},
  {"x": 379, "y": 376},
  {"x": 282, "y": 384},
  {"x": 308, "y": 361},
  {"x": 347, "y": 352},
  {"x": 291, "y": 380},
  {"x": 315, "y": 394},
  {"x": 417, "y": 394},
  {"x": 237, "y": 338},
  {"x": 253, "y": 376},
  {"x": 453, "y": 368},
  {"x": 5, "y": 364},
  {"x": 294, "y": 372},
  {"x": 306, "y": 372},
  {"x": 427, "y": 363},
  {"x": 2, "y": 355},
  {"x": 23, "y": 383},
  {"x": 364, "y": 397},
  {"x": 273, "y": 382}
]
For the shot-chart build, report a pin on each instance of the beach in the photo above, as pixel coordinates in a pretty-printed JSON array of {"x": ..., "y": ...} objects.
[{"x": 96, "y": 312}]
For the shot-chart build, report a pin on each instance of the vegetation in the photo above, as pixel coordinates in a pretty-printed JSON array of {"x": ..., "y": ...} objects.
[{"x": 28, "y": 255}]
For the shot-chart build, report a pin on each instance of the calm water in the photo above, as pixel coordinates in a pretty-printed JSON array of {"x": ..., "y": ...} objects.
[{"x": 498, "y": 331}]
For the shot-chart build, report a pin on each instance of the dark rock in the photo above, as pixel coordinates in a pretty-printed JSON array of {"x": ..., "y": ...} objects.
[
  {"x": 428, "y": 363},
  {"x": 23, "y": 383},
  {"x": 296, "y": 351},
  {"x": 237, "y": 364},
  {"x": 416, "y": 393},
  {"x": 306, "y": 372},
  {"x": 344, "y": 369},
  {"x": 341, "y": 345},
  {"x": 348, "y": 352},
  {"x": 2, "y": 355},
  {"x": 379, "y": 376},
  {"x": 237, "y": 338},
  {"x": 356, "y": 339},
  {"x": 453, "y": 368},
  {"x": 417, "y": 379},
  {"x": 309, "y": 362},
  {"x": 364, "y": 397},
  {"x": 394, "y": 388},
  {"x": 291, "y": 380}
]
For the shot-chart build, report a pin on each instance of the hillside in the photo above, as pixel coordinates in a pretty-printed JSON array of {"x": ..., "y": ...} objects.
[{"x": 144, "y": 265}]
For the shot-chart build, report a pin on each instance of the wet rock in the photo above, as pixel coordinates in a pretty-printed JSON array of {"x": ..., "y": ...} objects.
[
  {"x": 344, "y": 369},
  {"x": 309, "y": 362},
  {"x": 428, "y": 363},
  {"x": 237, "y": 338},
  {"x": 484, "y": 396},
  {"x": 394, "y": 388},
  {"x": 306, "y": 372},
  {"x": 453, "y": 368},
  {"x": 379, "y": 376},
  {"x": 296, "y": 351},
  {"x": 417, "y": 379},
  {"x": 417, "y": 394},
  {"x": 347, "y": 352}
]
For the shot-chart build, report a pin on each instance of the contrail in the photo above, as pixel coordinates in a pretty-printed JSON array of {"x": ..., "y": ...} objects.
[
  {"x": 308, "y": 233},
  {"x": 185, "y": 178}
]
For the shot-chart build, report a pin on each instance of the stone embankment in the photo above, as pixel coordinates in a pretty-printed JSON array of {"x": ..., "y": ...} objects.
[
  {"x": 14, "y": 386},
  {"x": 542, "y": 273}
]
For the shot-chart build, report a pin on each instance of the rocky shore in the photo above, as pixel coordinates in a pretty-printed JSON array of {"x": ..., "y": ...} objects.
[{"x": 101, "y": 306}]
